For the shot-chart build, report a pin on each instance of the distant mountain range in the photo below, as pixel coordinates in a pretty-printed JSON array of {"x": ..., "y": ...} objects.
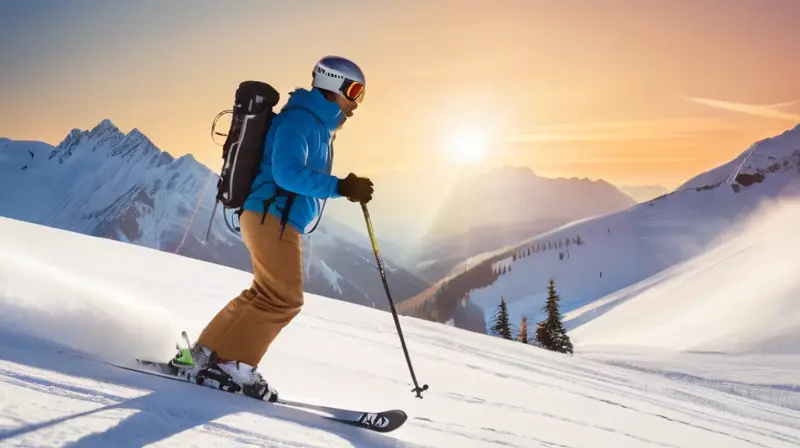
[
  {"x": 516, "y": 195},
  {"x": 110, "y": 184}
]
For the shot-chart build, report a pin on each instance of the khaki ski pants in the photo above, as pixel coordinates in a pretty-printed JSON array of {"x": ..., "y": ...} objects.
[{"x": 244, "y": 329}]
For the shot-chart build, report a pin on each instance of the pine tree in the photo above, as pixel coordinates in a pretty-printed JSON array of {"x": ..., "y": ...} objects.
[
  {"x": 550, "y": 333},
  {"x": 500, "y": 323},
  {"x": 523, "y": 330},
  {"x": 543, "y": 337}
]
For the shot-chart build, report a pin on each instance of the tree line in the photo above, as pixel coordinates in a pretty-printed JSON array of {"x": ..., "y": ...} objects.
[
  {"x": 441, "y": 305},
  {"x": 550, "y": 245},
  {"x": 550, "y": 333}
]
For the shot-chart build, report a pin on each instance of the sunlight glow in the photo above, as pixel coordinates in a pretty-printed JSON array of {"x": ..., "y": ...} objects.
[{"x": 468, "y": 146}]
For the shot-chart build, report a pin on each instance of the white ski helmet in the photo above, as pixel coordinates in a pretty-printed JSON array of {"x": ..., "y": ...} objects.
[{"x": 340, "y": 75}]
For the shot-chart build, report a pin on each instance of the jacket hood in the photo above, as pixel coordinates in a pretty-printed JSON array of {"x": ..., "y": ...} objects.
[{"x": 313, "y": 101}]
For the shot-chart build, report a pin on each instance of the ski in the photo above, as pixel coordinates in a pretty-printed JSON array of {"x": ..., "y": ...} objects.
[{"x": 380, "y": 421}]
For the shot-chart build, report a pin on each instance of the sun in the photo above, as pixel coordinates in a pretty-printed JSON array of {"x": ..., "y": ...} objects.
[{"x": 467, "y": 146}]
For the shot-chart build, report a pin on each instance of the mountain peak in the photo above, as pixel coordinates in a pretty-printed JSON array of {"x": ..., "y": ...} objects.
[
  {"x": 104, "y": 127},
  {"x": 786, "y": 140},
  {"x": 769, "y": 155},
  {"x": 189, "y": 158},
  {"x": 135, "y": 135},
  {"x": 104, "y": 138}
]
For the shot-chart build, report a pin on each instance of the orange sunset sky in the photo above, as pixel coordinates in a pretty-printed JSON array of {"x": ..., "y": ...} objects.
[{"x": 633, "y": 92}]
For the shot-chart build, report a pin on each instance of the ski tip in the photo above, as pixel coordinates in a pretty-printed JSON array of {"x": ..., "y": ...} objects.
[{"x": 389, "y": 421}]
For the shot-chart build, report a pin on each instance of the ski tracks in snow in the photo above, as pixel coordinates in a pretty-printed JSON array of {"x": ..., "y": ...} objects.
[
  {"x": 731, "y": 417},
  {"x": 67, "y": 401}
]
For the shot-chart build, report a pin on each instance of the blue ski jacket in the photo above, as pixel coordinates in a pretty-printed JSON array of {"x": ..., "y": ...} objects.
[{"x": 298, "y": 157}]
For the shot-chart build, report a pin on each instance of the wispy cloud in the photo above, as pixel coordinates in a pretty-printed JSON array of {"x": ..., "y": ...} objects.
[
  {"x": 780, "y": 105},
  {"x": 769, "y": 111}
]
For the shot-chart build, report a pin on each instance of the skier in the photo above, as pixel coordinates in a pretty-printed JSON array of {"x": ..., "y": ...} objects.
[{"x": 287, "y": 196}]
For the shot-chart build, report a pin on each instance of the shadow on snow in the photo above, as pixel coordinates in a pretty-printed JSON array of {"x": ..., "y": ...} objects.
[{"x": 170, "y": 408}]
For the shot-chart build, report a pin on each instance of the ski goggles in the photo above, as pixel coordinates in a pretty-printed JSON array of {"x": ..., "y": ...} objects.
[{"x": 353, "y": 90}]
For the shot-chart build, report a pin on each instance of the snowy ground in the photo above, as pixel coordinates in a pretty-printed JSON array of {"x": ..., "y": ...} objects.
[
  {"x": 60, "y": 292},
  {"x": 770, "y": 378}
]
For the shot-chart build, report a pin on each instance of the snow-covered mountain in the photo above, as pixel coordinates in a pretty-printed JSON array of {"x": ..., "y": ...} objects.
[
  {"x": 120, "y": 186},
  {"x": 65, "y": 294},
  {"x": 592, "y": 258}
]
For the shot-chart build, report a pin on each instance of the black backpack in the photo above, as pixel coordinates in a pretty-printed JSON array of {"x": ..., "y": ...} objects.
[{"x": 252, "y": 115}]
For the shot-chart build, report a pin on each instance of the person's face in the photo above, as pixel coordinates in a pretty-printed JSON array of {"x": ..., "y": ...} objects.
[{"x": 347, "y": 106}]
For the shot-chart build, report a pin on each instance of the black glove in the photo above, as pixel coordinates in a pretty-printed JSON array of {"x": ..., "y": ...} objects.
[{"x": 356, "y": 189}]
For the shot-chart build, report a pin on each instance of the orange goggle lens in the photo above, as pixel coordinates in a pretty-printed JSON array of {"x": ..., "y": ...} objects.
[{"x": 353, "y": 91}]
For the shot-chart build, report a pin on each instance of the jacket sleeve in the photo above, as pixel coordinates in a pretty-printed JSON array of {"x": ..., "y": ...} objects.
[{"x": 289, "y": 157}]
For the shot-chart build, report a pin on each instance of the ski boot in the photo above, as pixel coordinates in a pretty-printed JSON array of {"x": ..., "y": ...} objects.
[
  {"x": 236, "y": 377},
  {"x": 202, "y": 366}
]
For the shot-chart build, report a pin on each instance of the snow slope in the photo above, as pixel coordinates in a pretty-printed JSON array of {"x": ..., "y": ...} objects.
[
  {"x": 106, "y": 183},
  {"x": 770, "y": 378},
  {"x": 742, "y": 295},
  {"x": 619, "y": 250},
  {"x": 113, "y": 301}
]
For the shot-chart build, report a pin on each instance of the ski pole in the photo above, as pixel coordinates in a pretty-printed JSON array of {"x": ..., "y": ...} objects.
[{"x": 375, "y": 249}]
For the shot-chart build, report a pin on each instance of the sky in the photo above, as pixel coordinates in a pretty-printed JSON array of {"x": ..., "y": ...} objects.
[{"x": 633, "y": 92}]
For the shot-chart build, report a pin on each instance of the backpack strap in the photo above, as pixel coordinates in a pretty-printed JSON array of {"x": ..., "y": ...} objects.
[
  {"x": 324, "y": 201},
  {"x": 290, "y": 195}
]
